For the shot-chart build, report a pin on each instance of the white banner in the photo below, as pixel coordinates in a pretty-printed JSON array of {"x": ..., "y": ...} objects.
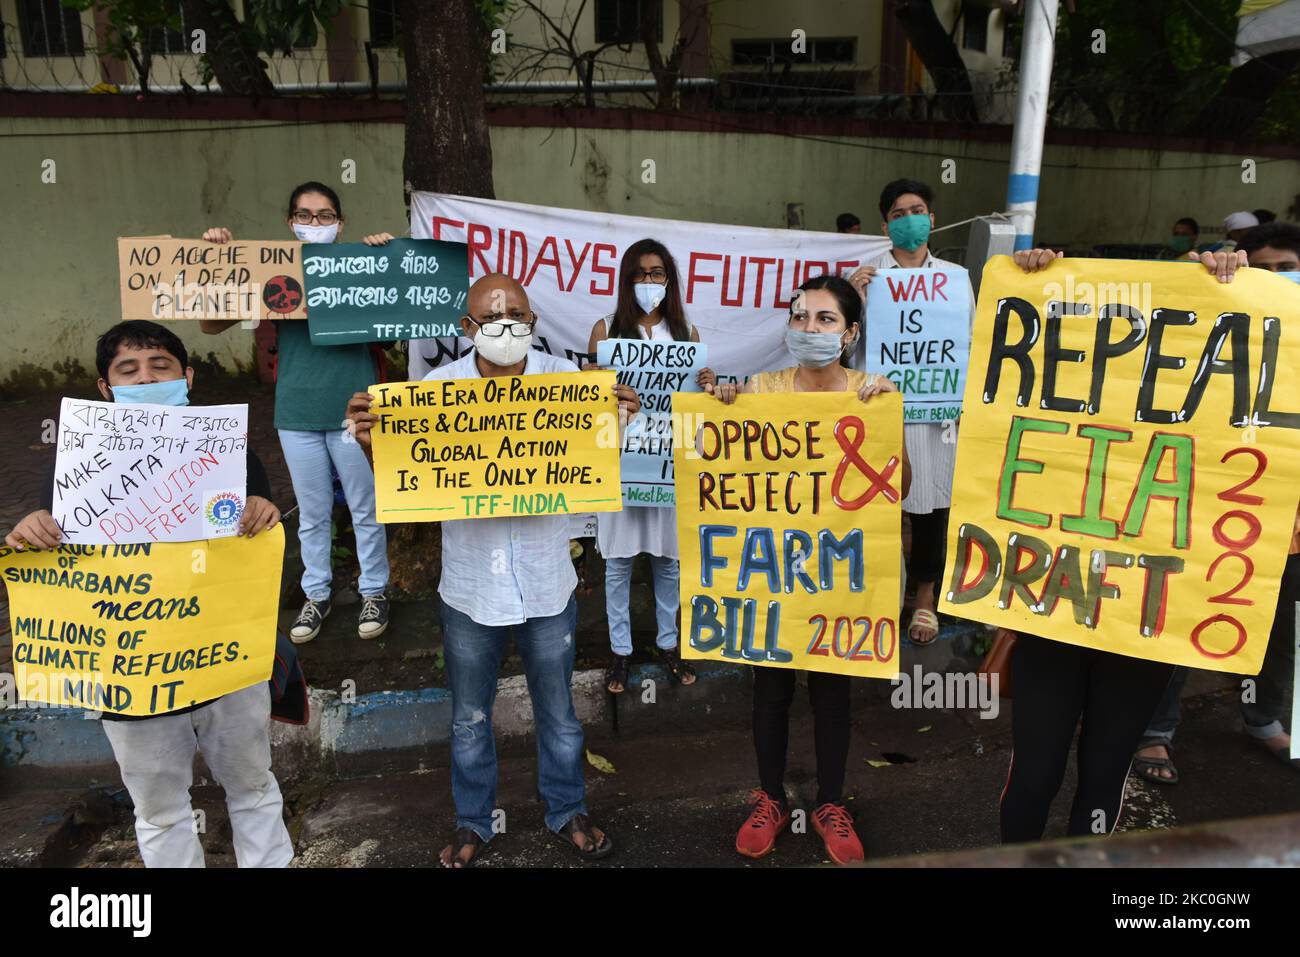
[
  {"x": 132, "y": 474},
  {"x": 736, "y": 281}
]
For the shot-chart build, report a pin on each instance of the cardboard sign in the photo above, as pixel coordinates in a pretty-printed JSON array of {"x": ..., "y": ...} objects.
[
  {"x": 1126, "y": 469},
  {"x": 498, "y": 446},
  {"x": 408, "y": 288},
  {"x": 918, "y": 334},
  {"x": 127, "y": 474},
  {"x": 143, "y": 629},
  {"x": 789, "y": 530},
  {"x": 163, "y": 278},
  {"x": 655, "y": 370}
]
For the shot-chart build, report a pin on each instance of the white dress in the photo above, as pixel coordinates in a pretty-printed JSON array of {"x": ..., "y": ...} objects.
[
  {"x": 933, "y": 459},
  {"x": 638, "y": 528}
]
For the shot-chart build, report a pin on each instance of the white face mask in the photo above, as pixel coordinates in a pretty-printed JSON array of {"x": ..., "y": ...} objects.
[
  {"x": 649, "y": 295},
  {"x": 503, "y": 350},
  {"x": 316, "y": 234}
]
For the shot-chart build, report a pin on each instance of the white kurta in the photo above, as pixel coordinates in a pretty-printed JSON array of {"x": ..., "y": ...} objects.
[
  {"x": 931, "y": 447},
  {"x": 638, "y": 529}
]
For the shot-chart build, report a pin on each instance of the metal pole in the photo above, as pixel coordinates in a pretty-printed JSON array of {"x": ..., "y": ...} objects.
[{"x": 1031, "y": 117}]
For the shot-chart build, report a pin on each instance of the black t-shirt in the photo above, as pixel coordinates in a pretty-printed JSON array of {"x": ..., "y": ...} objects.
[{"x": 257, "y": 484}]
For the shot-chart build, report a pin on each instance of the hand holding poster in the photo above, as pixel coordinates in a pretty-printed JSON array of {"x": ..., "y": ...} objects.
[
  {"x": 918, "y": 334},
  {"x": 789, "y": 529},
  {"x": 408, "y": 288},
  {"x": 143, "y": 629},
  {"x": 127, "y": 474},
  {"x": 655, "y": 370},
  {"x": 496, "y": 446},
  {"x": 165, "y": 278},
  {"x": 1128, "y": 459}
]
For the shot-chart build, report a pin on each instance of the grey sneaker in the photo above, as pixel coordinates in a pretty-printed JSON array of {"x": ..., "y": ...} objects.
[
  {"x": 307, "y": 625},
  {"x": 374, "y": 616}
]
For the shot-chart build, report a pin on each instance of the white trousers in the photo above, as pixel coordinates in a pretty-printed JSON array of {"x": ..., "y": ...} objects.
[{"x": 156, "y": 758}]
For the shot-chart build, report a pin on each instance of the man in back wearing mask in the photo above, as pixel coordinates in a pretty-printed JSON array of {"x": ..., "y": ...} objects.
[
  {"x": 143, "y": 362},
  {"x": 905, "y": 207},
  {"x": 501, "y": 575},
  {"x": 1186, "y": 234}
]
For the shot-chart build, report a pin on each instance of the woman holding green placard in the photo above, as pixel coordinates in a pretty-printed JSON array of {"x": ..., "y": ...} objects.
[
  {"x": 312, "y": 387},
  {"x": 825, "y": 322},
  {"x": 649, "y": 306}
]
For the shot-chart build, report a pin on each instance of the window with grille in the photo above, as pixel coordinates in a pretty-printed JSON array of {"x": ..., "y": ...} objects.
[
  {"x": 384, "y": 23},
  {"x": 50, "y": 29},
  {"x": 975, "y": 28},
  {"x": 619, "y": 21}
]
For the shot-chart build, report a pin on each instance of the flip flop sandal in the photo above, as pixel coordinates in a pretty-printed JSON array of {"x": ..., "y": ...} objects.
[
  {"x": 464, "y": 836},
  {"x": 926, "y": 620},
  {"x": 618, "y": 672},
  {"x": 1149, "y": 768},
  {"x": 579, "y": 823},
  {"x": 671, "y": 658}
]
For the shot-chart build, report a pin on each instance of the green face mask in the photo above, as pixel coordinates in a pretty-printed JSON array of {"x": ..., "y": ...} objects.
[
  {"x": 1181, "y": 244},
  {"x": 910, "y": 232}
]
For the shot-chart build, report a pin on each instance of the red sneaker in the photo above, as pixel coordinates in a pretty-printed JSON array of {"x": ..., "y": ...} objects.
[
  {"x": 758, "y": 834},
  {"x": 835, "y": 825}
]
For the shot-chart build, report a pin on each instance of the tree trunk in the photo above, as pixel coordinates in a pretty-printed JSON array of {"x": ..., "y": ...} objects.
[
  {"x": 231, "y": 54},
  {"x": 941, "y": 58},
  {"x": 1242, "y": 99},
  {"x": 447, "y": 151},
  {"x": 447, "y": 144}
]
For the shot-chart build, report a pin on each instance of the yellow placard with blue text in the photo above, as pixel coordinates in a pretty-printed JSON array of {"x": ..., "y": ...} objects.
[
  {"x": 789, "y": 521},
  {"x": 143, "y": 629}
]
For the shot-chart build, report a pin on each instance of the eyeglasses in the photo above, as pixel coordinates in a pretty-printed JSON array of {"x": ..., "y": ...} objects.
[
  {"x": 326, "y": 217},
  {"x": 494, "y": 324},
  {"x": 654, "y": 275}
]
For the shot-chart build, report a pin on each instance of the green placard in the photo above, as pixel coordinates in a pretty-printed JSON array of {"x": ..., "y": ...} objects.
[{"x": 408, "y": 289}]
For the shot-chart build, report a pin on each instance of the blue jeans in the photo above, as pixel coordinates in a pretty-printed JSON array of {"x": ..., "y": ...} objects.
[
  {"x": 1164, "y": 722},
  {"x": 308, "y": 455},
  {"x": 618, "y": 580},
  {"x": 473, "y": 658}
]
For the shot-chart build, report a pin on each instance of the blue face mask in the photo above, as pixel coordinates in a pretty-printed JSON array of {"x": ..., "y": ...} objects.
[
  {"x": 910, "y": 232},
  {"x": 814, "y": 349},
  {"x": 171, "y": 392},
  {"x": 649, "y": 295}
]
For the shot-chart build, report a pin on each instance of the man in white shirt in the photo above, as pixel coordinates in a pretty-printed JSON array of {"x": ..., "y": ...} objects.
[
  {"x": 905, "y": 207},
  {"x": 504, "y": 574}
]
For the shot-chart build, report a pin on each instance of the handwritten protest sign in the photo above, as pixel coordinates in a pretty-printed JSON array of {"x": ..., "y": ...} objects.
[
  {"x": 126, "y": 474},
  {"x": 789, "y": 529},
  {"x": 409, "y": 288},
  {"x": 143, "y": 629},
  {"x": 491, "y": 447},
  {"x": 1128, "y": 459},
  {"x": 918, "y": 334},
  {"x": 655, "y": 370},
  {"x": 165, "y": 278}
]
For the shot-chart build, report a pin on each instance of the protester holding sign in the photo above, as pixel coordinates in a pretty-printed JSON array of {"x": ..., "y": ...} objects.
[
  {"x": 905, "y": 206},
  {"x": 1060, "y": 684},
  {"x": 312, "y": 387},
  {"x": 649, "y": 308},
  {"x": 144, "y": 362},
  {"x": 511, "y": 573},
  {"x": 825, "y": 321}
]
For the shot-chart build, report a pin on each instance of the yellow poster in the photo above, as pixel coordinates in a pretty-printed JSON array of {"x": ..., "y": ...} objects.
[
  {"x": 143, "y": 629},
  {"x": 788, "y": 528},
  {"x": 1129, "y": 459},
  {"x": 497, "y": 446}
]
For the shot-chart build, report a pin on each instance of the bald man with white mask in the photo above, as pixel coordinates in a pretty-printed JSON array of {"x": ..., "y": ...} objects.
[{"x": 501, "y": 575}]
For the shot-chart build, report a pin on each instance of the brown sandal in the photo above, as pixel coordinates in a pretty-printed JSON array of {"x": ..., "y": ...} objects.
[
  {"x": 590, "y": 850},
  {"x": 465, "y": 837}
]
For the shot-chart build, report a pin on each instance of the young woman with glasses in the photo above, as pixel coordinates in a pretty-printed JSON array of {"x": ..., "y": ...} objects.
[{"x": 649, "y": 306}]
